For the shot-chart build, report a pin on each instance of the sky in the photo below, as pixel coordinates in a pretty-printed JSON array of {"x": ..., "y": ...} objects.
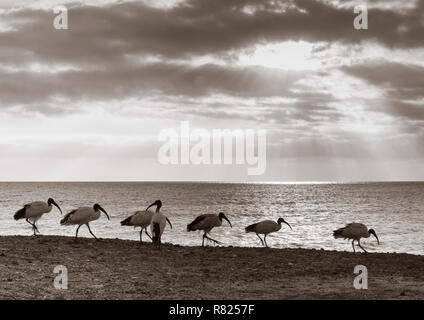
[{"x": 88, "y": 103}]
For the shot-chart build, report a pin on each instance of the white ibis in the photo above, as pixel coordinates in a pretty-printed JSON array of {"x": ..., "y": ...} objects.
[
  {"x": 139, "y": 219},
  {"x": 355, "y": 231},
  {"x": 206, "y": 222},
  {"x": 82, "y": 216},
  {"x": 34, "y": 210},
  {"x": 158, "y": 223},
  {"x": 266, "y": 227}
]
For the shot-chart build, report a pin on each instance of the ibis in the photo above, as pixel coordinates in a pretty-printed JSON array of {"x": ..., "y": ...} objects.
[
  {"x": 33, "y": 211},
  {"x": 206, "y": 222},
  {"x": 158, "y": 223},
  {"x": 82, "y": 216},
  {"x": 355, "y": 231},
  {"x": 139, "y": 219},
  {"x": 266, "y": 227}
]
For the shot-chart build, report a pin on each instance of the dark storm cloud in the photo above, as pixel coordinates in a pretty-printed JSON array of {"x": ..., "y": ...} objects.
[{"x": 103, "y": 35}]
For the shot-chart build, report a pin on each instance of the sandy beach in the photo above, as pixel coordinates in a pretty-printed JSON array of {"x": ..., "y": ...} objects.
[{"x": 122, "y": 269}]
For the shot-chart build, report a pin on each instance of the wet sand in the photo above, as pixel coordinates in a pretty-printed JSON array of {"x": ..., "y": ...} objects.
[{"x": 122, "y": 269}]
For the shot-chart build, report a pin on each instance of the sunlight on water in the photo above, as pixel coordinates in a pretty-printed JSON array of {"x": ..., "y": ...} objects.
[{"x": 394, "y": 210}]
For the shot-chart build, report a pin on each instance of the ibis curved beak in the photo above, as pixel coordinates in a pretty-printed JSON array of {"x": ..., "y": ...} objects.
[
  {"x": 169, "y": 223},
  {"x": 227, "y": 221},
  {"x": 375, "y": 235},
  {"x": 57, "y": 206},
  {"x": 153, "y": 204},
  {"x": 104, "y": 211},
  {"x": 288, "y": 225}
]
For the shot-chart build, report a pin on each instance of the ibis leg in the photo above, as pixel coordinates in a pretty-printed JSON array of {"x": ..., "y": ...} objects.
[
  {"x": 261, "y": 239},
  {"x": 28, "y": 221},
  {"x": 88, "y": 226},
  {"x": 36, "y": 229},
  {"x": 141, "y": 233},
  {"x": 213, "y": 240},
  {"x": 265, "y": 241},
  {"x": 32, "y": 225},
  {"x": 353, "y": 246},
  {"x": 33, "y": 229},
  {"x": 359, "y": 244},
  {"x": 145, "y": 231},
  {"x": 76, "y": 234},
  {"x": 203, "y": 239}
]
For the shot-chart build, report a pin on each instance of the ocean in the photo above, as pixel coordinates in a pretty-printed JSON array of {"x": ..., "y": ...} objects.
[{"x": 395, "y": 210}]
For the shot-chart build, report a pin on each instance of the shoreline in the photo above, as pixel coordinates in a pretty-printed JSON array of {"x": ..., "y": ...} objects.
[
  {"x": 127, "y": 269},
  {"x": 224, "y": 245}
]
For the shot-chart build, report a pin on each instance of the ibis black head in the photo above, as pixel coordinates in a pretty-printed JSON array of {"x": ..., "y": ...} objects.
[
  {"x": 52, "y": 202},
  {"x": 221, "y": 216},
  {"x": 157, "y": 203},
  {"x": 97, "y": 207},
  {"x": 372, "y": 231},
  {"x": 281, "y": 220}
]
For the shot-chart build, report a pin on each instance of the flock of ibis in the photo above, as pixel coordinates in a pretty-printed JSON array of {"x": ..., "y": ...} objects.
[{"x": 156, "y": 220}]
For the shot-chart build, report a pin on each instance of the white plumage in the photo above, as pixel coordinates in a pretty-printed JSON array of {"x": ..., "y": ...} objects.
[
  {"x": 206, "y": 222},
  {"x": 266, "y": 227},
  {"x": 33, "y": 212},
  {"x": 355, "y": 231},
  {"x": 82, "y": 216},
  {"x": 139, "y": 219},
  {"x": 158, "y": 223}
]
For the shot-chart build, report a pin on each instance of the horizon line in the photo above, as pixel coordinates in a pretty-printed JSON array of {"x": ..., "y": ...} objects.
[{"x": 221, "y": 181}]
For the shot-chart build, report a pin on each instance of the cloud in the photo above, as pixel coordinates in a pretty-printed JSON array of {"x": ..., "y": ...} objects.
[
  {"x": 125, "y": 69},
  {"x": 103, "y": 47},
  {"x": 149, "y": 79},
  {"x": 402, "y": 84},
  {"x": 407, "y": 79},
  {"x": 102, "y": 35}
]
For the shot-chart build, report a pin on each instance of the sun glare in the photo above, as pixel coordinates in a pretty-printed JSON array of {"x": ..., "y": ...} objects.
[{"x": 289, "y": 55}]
